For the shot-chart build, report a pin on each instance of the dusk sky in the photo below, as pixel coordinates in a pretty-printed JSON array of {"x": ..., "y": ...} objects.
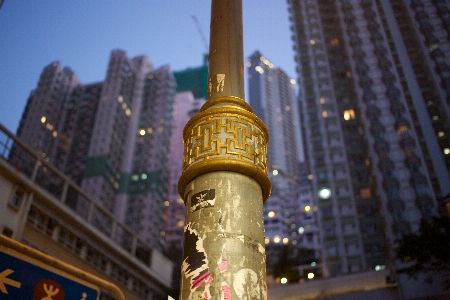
[{"x": 82, "y": 34}]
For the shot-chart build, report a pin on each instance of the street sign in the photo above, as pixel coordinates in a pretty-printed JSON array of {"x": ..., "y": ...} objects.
[{"x": 22, "y": 277}]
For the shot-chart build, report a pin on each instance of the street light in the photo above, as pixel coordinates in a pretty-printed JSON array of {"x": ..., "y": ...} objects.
[{"x": 224, "y": 180}]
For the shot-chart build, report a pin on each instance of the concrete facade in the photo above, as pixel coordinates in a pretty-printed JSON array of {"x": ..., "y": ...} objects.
[{"x": 45, "y": 218}]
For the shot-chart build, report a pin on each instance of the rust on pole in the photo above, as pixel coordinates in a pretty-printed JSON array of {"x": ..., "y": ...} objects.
[{"x": 224, "y": 182}]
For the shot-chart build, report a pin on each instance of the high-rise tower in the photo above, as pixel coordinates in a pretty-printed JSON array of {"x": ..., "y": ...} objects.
[
  {"x": 110, "y": 137},
  {"x": 272, "y": 95},
  {"x": 45, "y": 112},
  {"x": 147, "y": 189},
  {"x": 111, "y": 147},
  {"x": 374, "y": 104}
]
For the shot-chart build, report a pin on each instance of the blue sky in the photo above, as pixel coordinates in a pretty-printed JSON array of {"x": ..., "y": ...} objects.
[{"x": 81, "y": 34}]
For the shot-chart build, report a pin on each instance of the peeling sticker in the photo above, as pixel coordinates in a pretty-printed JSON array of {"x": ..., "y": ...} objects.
[
  {"x": 203, "y": 199},
  {"x": 220, "y": 82},
  {"x": 241, "y": 238},
  {"x": 216, "y": 84},
  {"x": 203, "y": 277},
  {"x": 195, "y": 261},
  {"x": 246, "y": 284},
  {"x": 222, "y": 263},
  {"x": 220, "y": 220},
  {"x": 223, "y": 266},
  {"x": 209, "y": 86},
  {"x": 261, "y": 249},
  {"x": 226, "y": 292}
]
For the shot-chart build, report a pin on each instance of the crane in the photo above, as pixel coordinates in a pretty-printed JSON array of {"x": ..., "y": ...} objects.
[{"x": 197, "y": 23}]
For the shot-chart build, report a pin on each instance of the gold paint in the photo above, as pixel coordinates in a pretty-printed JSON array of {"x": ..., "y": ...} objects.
[
  {"x": 226, "y": 138},
  {"x": 228, "y": 101}
]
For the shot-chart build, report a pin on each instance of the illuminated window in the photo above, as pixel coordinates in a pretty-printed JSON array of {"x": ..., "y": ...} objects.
[
  {"x": 324, "y": 114},
  {"x": 276, "y": 239},
  {"x": 144, "y": 176},
  {"x": 180, "y": 223},
  {"x": 43, "y": 119},
  {"x": 307, "y": 208},
  {"x": 163, "y": 233},
  {"x": 312, "y": 42},
  {"x": 285, "y": 241},
  {"x": 301, "y": 230},
  {"x": 446, "y": 150},
  {"x": 259, "y": 70},
  {"x": 149, "y": 130},
  {"x": 166, "y": 203},
  {"x": 55, "y": 134},
  {"x": 283, "y": 280},
  {"x": 325, "y": 193},
  {"x": 349, "y": 114},
  {"x": 288, "y": 108},
  {"x": 334, "y": 42},
  {"x": 435, "y": 118},
  {"x": 402, "y": 129},
  {"x": 120, "y": 99},
  {"x": 271, "y": 214},
  {"x": 441, "y": 133},
  {"x": 142, "y": 132},
  {"x": 275, "y": 172},
  {"x": 128, "y": 112},
  {"x": 266, "y": 240},
  {"x": 366, "y": 193},
  {"x": 249, "y": 63},
  {"x": 322, "y": 100},
  {"x": 293, "y": 81}
]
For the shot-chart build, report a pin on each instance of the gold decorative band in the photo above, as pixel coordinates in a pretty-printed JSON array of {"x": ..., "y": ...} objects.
[
  {"x": 225, "y": 139},
  {"x": 225, "y": 102}
]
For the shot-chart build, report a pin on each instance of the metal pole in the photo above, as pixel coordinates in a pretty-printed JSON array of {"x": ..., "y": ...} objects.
[{"x": 224, "y": 181}]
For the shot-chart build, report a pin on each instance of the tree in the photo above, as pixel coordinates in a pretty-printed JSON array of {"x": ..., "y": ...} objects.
[{"x": 428, "y": 251}]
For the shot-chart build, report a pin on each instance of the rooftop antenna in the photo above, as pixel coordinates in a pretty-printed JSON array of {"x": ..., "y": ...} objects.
[{"x": 197, "y": 24}]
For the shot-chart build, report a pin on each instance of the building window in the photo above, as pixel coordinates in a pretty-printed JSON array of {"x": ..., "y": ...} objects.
[
  {"x": 17, "y": 197},
  {"x": 349, "y": 114},
  {"x": 7, "y": 232},
  {"x": 334, "y": 42},
  {"x": 366, "y": 193}
]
